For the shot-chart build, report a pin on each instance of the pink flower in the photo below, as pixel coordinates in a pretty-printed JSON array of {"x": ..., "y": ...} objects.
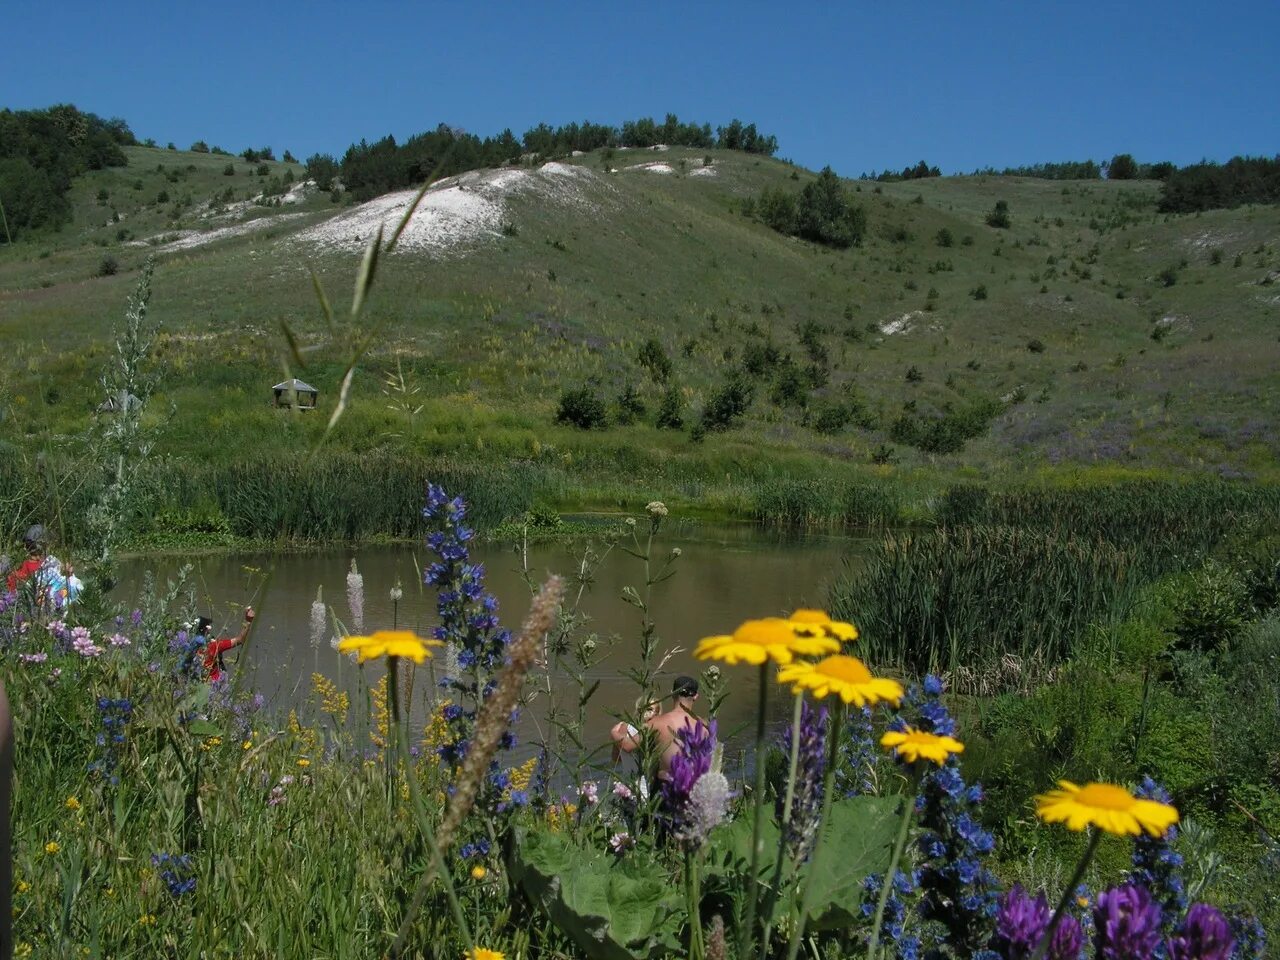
[
  {"x": 33, "y": 657},
  {"x": 118, "y": 640},
  {"x": 622, "y": 791},
  {"x": 621, "y": 841},
  {"x": 82, "y": 645},
  {"x": 55, "y": 673},
  {"x": 589, "y": 792}
]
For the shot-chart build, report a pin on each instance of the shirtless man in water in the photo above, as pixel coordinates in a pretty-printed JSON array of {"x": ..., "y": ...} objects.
[{"x": 665, "y": 725}]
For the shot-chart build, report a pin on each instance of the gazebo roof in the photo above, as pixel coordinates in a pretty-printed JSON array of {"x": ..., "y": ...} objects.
[{"x": 296, "y": 385}]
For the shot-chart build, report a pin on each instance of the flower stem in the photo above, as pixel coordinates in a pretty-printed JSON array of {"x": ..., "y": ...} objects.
[
  {"x": 1067, "y": 893},
  {"x": 775, "y": 882},
  {"x": 908, "y": 808},
  {"x": 437, "y": 866},
  {"x": 693, "y": 895},
  {"x": 746, "y": 935},
  {"x": 828, "y": 790}
]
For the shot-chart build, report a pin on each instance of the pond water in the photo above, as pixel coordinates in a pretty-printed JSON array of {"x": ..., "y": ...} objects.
[{"x": 725, "y": 574}]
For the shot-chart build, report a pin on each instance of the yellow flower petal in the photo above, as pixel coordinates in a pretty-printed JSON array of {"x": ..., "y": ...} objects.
[
  {"x": 817, "y": 623},
  {"x": 389, "y": 643},
  {"x": 480, "y": 953},
  {"x": 846, "y": 677},
  {"x": 1105, "y": 806},
  {"x": 771, "y": 638},
  {"x": 911, "y": 745}
]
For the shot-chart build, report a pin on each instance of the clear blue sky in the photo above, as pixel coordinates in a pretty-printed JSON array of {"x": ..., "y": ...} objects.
[{"x": 865, "y": 85}]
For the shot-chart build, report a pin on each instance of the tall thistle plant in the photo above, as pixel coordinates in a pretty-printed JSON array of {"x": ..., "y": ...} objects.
[{"x": 119, "y": 443}]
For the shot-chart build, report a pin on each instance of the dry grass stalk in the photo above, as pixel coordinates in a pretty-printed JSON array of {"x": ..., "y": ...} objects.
[{"x": 495, "y": 714}]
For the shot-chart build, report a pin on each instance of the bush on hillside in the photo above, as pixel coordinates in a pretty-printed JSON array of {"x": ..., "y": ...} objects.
[
  {"x": 999, "y": 215},
  {"x": 653, "y": 357},
  {"x": 583, "y": 409},
  {"x": 944, "y": 238},
  {"x": 630, "y": 407},
  {"x": 1122, "y": 167},
  {"x": 671, "y": 409},
  {"x": 728, "y": 404}
]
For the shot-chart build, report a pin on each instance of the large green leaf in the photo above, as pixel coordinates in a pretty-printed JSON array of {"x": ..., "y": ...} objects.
[
  {"x": 613, "y": 910},
  {"x": 857, "y": 842}
]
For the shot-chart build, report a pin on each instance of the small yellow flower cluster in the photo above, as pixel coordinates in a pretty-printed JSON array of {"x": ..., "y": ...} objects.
[
  {"x": 436, "y": 734},
  {"x": 304, "y": 762},
  {"x": 23, "y": 949},
  {"x": 52, "y": 847},
  {"x": 72, "y": 804},
  {"x": 520, "y": 777},
  {"x": 381, "y": 714},
  {"x": 208, "y": 743},
  {"x": 560, "y": 816},
  {"x": 305, "y": 736},
  {"x": 333, "y": 701},
  {"x": 478, "y": 872},
  {"x": 147, "y": 920}
]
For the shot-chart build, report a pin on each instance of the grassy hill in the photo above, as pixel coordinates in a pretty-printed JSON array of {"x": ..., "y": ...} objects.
[{"x": 1092, "y": 333}]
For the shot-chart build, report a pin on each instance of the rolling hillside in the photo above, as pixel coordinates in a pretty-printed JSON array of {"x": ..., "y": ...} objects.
[{"x": 1092, "y": 332}]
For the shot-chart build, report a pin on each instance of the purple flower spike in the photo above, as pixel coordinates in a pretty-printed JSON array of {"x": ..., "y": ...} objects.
[
  {"x": 1020, "y": 923},
  {"x": 1126, "y": 923},
  {"x": 1205, "y": 935}
]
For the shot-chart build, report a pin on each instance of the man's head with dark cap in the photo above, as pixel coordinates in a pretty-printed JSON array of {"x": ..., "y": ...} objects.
[
  {"x": 34, "y": 538},
  {"x": 684, "y": 688}
]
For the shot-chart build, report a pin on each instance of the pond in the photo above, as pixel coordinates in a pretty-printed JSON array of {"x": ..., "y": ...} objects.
[{"x": 724, "y": 574}]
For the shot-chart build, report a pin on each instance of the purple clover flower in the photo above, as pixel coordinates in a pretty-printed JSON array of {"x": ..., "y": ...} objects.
[
  {"x": 1204, "y": 935},
  {"x": 1126, "y": 924}
]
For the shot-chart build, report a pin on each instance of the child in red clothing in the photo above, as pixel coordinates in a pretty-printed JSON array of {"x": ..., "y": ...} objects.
[{"x": 214, "y": 649}]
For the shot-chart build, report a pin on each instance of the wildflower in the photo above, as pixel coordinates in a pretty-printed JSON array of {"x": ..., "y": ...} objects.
[
  {"x": 246, "y": 745},
  {"x": 355, "y": 597},
  {"x": 23, "y": 886},
  {"x": 817, "y": 623},
  {"x": 304, "y": 762},
  {"x": 22, "y": 949},
  {"x": 1156, "y": 865},
  {"x": 811, "y": 760},
  {"x": 83, "y": 645},
  {"x": 52, "y": 847},
  {"x": 389, "y": 643},
  {"x": 1126, "y": 924},
  {"x": 707, "y": 807},
  {"x": 72, "y": 804},
  {"x": 589, "y": 792},
  {"x": 910, "y": 745},
  {"x": 40, "y": 657},
  {"x": 318, "y": 618},
  {"x": 1020, "y": 923},
  {"x": 847, "y": 677},
  {"x": 396, "y": 593},
  {"x": 480, "y": 953},
  {"x": 177, "y": 872},
  {"x": 1105, "y": 806},
  {"x": 1204, "y": 935},
  {"x": 756, "y": 641},
  {"x": 478, "y": 872},
  {"x": 118, "y": 640},
  {"x": 147, "y": 920},
  {"x": 622, "y": 791},
  {"x": 656, "y": 508},
  {"x": 620, "y": 842}
]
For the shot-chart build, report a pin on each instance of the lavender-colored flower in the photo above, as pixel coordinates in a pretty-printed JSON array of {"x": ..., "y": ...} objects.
[
  {"x": 40, "y": 657},
  {"x": 1020, "y": 923},
  {"x": 118, "y": 640},
  {"x": 707, "y": 807},
  {"x": 318, "y": 618},
  {"x": 806, "y": 808},
  {"x": 695, "y": 746},
  {"x": 621, "y": 842},
  {"x": 1126, "y": 924},
  {"x": 355, "y": 597},
  {"x": 83, "y": 644},
  {"x": 1204, "y": 935},
  {"x": 622, "y": 791},
  {"x": 589, "y": 792}
]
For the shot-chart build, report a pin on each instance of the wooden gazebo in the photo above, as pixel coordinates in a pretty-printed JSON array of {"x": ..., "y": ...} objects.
[{"x": 295, "y": 393}]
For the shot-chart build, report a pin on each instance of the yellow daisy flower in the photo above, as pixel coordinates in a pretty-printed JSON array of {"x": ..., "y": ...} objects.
[
  {"x": 846, "y": 677},
  {"x": 478, "y": 872},
  {"x": 480, "y": 953},
  {"x": 389, "y": 643},
  {"x": 52, "y": 847},
  {"x": 1107, "y": 807},
  {"x": 816, "y": 623},
  {"x": 72, "y": 804},
  {"x": 759, "y": 640},
  {"x": 911, "y": 744}
]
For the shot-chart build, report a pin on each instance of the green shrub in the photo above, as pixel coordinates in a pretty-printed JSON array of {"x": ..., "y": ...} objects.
[
  {"x": 653, "y": 357},
  {"x": 944, "y": 238},
  {"x": 979, "y": 292},
  {"x": 791, "y": 389},
  {"x": 229, "y": 170},
  {"x": 582, "y": 408},
  {"x": 671, "y": 409},
  {"x": 728, "y": 404},
  {"x": 108, "y": 267},
  {"x": 630, "y": 407},
  {"x": 1212, "y": 606},
  {"x": 999, "y": 215}
]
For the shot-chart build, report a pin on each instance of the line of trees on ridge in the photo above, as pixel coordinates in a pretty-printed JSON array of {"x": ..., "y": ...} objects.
[{"x": 368, "y": 169}]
